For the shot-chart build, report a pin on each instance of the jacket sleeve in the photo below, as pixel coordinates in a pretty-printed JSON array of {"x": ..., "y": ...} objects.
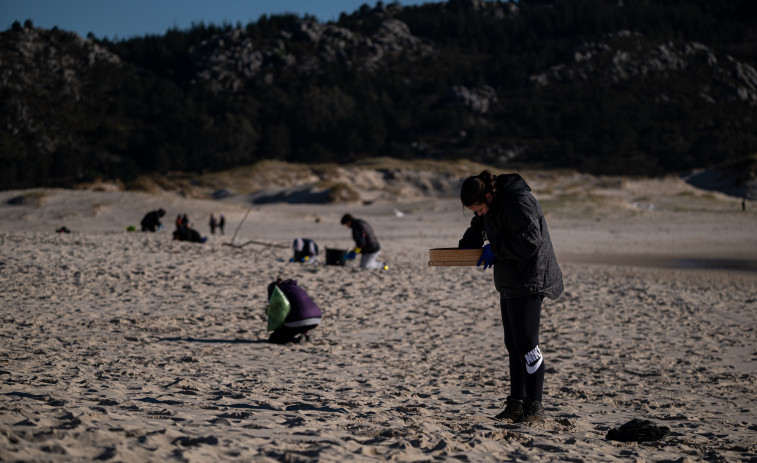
[
  {"x": 520, "y": 220},
  {"x": 358, "y": 234},
  {"x": 474, "y": 236}
]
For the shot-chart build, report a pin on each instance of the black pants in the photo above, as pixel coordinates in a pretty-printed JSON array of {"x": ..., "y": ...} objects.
[
  {"x": 286, "y": 334},
  {"x": 521, "y": 318}
]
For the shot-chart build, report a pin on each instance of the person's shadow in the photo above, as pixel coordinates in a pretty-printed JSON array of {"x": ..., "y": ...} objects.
[{"x": 214, "y": 341}]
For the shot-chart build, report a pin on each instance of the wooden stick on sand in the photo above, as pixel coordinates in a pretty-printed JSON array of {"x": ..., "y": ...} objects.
[{"x": 264, "y": 243}]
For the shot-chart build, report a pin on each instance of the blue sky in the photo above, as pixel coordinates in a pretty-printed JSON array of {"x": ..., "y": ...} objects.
[{"x": 122, "y": 19}]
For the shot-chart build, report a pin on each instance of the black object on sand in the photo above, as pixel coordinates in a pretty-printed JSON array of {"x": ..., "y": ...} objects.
[{"x": 638, "y": 430}]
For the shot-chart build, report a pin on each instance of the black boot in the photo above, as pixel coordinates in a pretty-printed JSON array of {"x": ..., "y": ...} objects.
[
  {"x": 513, "y": 410},
  {"x": 534, "y": 411}
]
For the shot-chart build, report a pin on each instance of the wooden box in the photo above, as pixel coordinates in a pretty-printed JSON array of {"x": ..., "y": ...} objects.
[{"x": 454, "y": 256}]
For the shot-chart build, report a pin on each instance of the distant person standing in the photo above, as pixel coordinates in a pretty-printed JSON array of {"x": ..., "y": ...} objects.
[
  {"x": 151, "y": 220},
  {"x": 221, "y": 223},
  {"x": 366, "y": 243},
  {"x": 213, "y": 224}
]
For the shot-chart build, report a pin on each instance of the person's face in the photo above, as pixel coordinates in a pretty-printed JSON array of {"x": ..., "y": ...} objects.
[{"x": 481, "y": 208}]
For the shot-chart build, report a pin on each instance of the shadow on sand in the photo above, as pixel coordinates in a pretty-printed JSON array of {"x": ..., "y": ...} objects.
[
  {"x": 214, "y": 341},
  {"x": 672, "y": 262}
]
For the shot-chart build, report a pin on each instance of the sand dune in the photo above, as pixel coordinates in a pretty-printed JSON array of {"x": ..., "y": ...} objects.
[{"x": 122, "y": 346}]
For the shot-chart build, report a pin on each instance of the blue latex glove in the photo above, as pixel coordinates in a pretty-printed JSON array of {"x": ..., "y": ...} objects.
[
  {"x": 487, "y": 257},
  {"x": 350, "y": 255}
]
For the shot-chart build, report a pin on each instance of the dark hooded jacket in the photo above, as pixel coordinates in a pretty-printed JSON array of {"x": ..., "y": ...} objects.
[
  {"x": 151, "y": 220},
  {"x": 364, "y": 237},
  {"x": 303, "y": 310},
  {"x": 525, "y": 262}
]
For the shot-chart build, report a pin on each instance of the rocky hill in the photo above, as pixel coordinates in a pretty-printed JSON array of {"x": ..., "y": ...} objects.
[
  {"x": 626, "y": 56},
  {"x": 603, "y": 87}
]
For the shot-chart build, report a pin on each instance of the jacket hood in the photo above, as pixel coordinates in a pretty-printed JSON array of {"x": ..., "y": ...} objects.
[{"x": 510, "y": 182}]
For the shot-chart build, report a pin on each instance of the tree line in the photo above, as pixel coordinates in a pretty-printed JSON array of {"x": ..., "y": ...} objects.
[{"x": 151, "y": 113}]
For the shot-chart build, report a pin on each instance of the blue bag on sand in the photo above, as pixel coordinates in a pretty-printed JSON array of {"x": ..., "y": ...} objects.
[{"x": 278, "y": 309}]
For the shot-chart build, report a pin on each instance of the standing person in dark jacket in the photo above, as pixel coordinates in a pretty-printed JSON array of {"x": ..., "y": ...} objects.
[
  {"x": 366, "y": 242},
  {"x": 304, "y": 314},
  {"x": 525, "y": 271}
]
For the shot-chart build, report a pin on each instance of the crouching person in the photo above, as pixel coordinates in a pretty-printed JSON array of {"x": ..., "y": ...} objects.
[
  {"x": 303, "y": 314},
  {"x": 305, "y": 250}
]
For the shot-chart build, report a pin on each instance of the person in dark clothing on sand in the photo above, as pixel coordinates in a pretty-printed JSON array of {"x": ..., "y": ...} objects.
[
  {"x": 366, "y": 243},
  {"x": 185, "y": 232},
  {"x": 304, "y": 314},
  {"x": 525, "y": 272},
  {"x": 188, "y": 234},
  {"x": 305, "y": 250},
  {"x": 151, "y": 220},
  {"x": 213, "y": 224}
]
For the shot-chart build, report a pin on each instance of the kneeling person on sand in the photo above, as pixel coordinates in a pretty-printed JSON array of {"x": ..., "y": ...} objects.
[
  {"x": 304, "y": 314},
  {"x": 305, "y": 250},
  {"x": 151, "y": 220},
  {"x": 187, "y": 233},
  {"x": 366, "y": 243}
]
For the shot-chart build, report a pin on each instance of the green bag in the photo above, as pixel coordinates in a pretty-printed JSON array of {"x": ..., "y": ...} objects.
[{"x": 278, "y": 309}]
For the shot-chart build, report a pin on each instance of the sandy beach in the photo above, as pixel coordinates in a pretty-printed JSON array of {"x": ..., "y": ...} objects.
[{"x": 131, "y": 347}]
